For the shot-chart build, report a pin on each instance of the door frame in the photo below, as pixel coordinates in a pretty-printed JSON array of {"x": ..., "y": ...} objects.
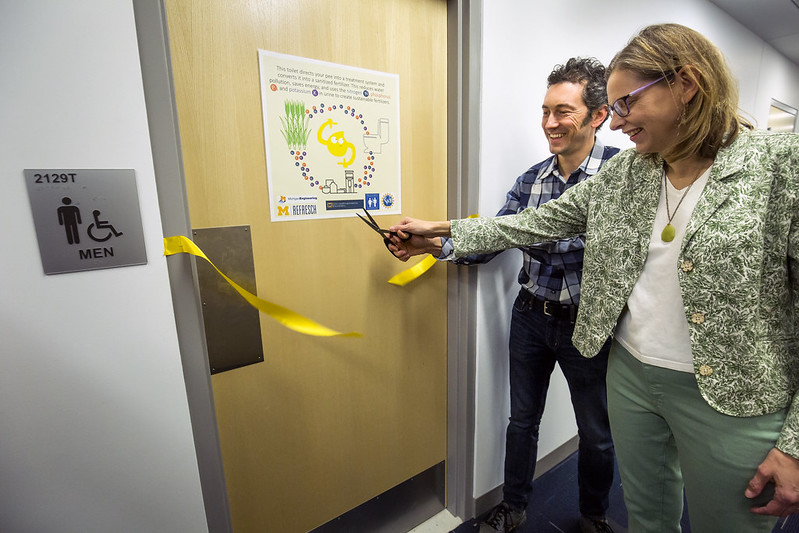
[
  {"x": 464, "y": 60},
  {"x": 162, "y": 118},
  {"x": 463, "y": 121}
]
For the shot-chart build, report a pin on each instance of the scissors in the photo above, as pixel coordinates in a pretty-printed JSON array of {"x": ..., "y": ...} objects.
[{"x": 383, "y": 232}]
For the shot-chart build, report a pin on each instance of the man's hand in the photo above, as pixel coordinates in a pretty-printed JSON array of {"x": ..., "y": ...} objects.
[
  {"x": 783, "y": 471},
  {"x": 416, "y": 245}
]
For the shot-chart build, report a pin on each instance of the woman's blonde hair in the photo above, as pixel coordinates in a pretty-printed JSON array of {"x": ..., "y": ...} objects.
[{"x": 710, "y": 121}]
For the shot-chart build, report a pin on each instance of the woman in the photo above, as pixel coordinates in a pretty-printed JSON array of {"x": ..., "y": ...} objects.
[{"x": 692, "y": 264}]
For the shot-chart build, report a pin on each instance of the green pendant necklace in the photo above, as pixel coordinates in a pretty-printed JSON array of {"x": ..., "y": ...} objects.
[{"x": 668, "y": 233}]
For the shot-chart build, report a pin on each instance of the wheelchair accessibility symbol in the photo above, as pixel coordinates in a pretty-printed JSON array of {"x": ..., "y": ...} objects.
[{"x": 98, "y": 225}]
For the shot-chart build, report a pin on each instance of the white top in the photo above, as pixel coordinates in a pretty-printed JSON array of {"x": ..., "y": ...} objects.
[{"x": 653, "y": 327}]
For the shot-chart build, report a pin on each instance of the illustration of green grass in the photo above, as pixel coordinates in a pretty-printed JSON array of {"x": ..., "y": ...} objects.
[{"x": 295, "y": 125}]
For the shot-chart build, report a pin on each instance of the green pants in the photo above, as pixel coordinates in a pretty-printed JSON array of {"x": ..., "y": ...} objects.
[{"x": 667, "y": 437}]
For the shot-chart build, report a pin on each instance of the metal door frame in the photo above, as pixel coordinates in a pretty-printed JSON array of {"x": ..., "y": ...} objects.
[{"x": 464, "y": 57}]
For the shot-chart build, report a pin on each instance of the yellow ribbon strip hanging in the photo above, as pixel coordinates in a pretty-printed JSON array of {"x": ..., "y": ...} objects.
[
  {"x": 410, "y": 274},
  {"x": 182, "y": 245}
]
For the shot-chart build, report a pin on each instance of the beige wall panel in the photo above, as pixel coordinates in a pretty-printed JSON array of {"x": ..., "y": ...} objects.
[{"x": 323, "y": 424}]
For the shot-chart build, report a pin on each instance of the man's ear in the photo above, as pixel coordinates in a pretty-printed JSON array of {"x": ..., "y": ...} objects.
[
  {"x": 599, "y": 116},
  {"x": 687, "y": 78}
]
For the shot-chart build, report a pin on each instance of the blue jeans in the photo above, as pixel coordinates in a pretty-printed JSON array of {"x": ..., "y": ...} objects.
[{"x": 537, "y": 342}]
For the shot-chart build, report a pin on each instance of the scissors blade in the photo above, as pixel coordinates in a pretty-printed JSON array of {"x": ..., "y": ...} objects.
[
  {"x": 371, "y": 224},
  {"x": 374, "y": 222}
]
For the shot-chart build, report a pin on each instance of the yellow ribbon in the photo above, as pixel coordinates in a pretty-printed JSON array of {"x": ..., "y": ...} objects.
[
  {"x": 410, "y": 274},
  {"x": 182, "y": 245}
]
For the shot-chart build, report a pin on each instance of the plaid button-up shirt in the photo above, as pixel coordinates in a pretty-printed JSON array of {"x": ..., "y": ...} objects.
[{"x": 550, "y": 270}]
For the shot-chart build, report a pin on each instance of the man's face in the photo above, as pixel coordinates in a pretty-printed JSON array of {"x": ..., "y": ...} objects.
[{"x": 566, "y": 121}]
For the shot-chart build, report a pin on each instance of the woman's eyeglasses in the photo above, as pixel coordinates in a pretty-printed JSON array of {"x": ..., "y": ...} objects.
[{"x": 622, "y": 107}]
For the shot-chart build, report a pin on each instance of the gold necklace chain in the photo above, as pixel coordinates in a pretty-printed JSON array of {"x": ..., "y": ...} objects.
[{"x": 669, "y": 232}]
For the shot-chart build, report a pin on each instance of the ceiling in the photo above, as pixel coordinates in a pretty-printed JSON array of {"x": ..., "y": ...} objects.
[{"x": 774, "y": 21}]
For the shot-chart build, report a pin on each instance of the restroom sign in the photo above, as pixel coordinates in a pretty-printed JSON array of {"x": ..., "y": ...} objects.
[{"x": 86, "y": 219}]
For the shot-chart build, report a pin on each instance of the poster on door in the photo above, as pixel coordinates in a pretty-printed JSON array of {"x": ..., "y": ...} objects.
[{"x": 332, "y": 138}]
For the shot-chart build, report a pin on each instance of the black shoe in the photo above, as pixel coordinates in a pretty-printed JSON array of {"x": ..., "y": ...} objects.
[
  {"x": 594, "y": 525},
  {"x": 503, "y": 519}
]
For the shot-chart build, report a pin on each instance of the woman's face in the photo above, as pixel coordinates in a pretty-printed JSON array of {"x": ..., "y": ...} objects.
[{"x": 652, "y": 123}]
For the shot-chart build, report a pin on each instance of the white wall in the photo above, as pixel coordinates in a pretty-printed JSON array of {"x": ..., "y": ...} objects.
[
  {"x": 522, "y": 41},
  {"x": 95, "y": 432}
]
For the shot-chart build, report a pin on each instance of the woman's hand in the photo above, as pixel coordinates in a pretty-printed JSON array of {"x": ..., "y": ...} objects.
[
  {"x": 423, "y": 228},
  {"x": 782, "y": 470}
]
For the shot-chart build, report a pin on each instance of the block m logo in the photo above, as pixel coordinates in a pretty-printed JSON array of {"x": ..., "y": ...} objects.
[{"x": 282, "y": 210}]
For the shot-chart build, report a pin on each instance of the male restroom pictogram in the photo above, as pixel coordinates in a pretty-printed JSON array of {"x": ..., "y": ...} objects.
[{"x": 69, "y": 217}]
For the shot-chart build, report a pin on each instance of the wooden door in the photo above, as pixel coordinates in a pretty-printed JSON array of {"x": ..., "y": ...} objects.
[{"x": 323, "y": 424}]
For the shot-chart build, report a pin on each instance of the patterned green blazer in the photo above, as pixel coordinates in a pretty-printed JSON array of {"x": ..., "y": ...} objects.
[{"x": 738, "y": 267}]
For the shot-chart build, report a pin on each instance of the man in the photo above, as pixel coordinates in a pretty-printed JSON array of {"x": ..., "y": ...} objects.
[{"x": 574, "y": 107}]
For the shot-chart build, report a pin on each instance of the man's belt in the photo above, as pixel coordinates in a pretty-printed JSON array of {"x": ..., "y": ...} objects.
[{"x": 550, "y": 308}]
